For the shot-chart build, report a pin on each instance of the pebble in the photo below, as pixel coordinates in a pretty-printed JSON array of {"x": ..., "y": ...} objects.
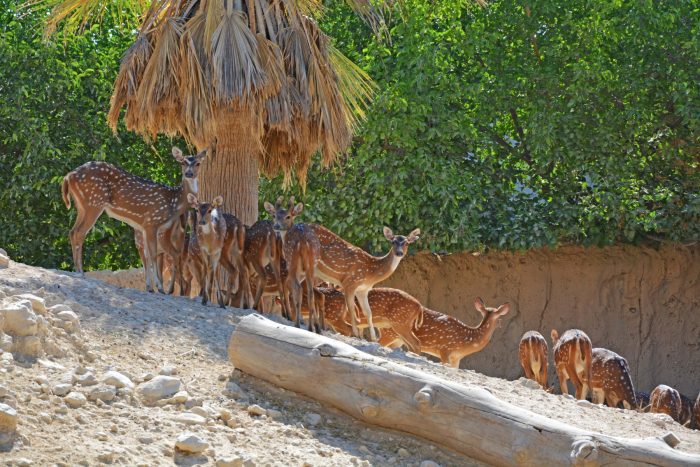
[
  {"x": 158, "y": 388},
  {"x": 201, "y": 411},
  {"x": 233, "y": 461},
  {"x": 234, "y": 390},
  {"x": 403, "y": 453},
  {"x": 61, "y": 389},
  {"x": 116, "y": 379},
  {"x": 68, "y": 320},
  {"x": 190, "y": 443},
  {"x": 255, "y": 409},
  {"x": 75, "y": 399},
  {"x": 189, "y": 418},
  {"x": 180, "y": 397},
  {"x": 168, "y": 370},
  {"x": 8, "y": 419},
  {"x": 87, "y": 379},
  {"x": 312, "y": 419},
  {"x": 103, "y": 392}
]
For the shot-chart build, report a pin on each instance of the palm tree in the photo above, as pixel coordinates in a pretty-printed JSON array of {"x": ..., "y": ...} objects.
[{"x": 255, "y": 81}]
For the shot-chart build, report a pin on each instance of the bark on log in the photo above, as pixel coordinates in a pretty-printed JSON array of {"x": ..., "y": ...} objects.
[{"x": 468, "y": 419}]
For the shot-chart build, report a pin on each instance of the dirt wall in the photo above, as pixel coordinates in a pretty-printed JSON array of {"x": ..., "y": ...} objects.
[{"x": 640, "y": 302}]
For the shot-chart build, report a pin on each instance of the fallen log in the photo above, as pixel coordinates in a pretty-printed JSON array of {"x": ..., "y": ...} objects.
[{"x": 467, "y": 419}]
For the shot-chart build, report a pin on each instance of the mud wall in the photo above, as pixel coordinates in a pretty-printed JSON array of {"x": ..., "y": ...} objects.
[{"x": 640, "y": 302}]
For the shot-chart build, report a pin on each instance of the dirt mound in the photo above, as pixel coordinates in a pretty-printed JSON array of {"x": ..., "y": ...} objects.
[{"x": 640, "y": 302}]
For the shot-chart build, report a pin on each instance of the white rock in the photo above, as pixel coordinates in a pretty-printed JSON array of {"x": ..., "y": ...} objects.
[
  {"x": 116, "y": 379},
  {"x": 61, "y": 389},
  {"x": 429, "y": 463},
  {"x": 105, "y": 393},
  {"x": 189, "y": 418},
  {"x": 20, "y": 319},
  {"x": 38, "y": 303},
  {"x": 168, "y": 370},
  {"x": 312, "y": 419},
  {"x": 255, "y": 409},
  {"x": 180, "y": 397},
  {"x": 159, "y": 387},
  {"x": 201, "y": 411},
  {"x": 234, "y": 390},
  {"x": 75, "y": 399},
  {"x": 58, "y": 308},
  {"x": 68, "y": 320},
  {"x": 190, "y": 443},
  {"x": 86, "y": 379}
]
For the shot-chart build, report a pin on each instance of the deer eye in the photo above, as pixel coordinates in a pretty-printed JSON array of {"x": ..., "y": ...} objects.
[
  {"x": 197, "y": 164},
  {"x": 288, "y": 217}
]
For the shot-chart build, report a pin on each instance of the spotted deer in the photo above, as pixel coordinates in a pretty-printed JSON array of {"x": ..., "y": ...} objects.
[
  {"x": 163, "y": 261},
  {"x": 572, "y": 359},
  {"x": 665, "y": 399},
  {"x": 611, "y": 381},
  {"x": 262, "y": 248},
  {"x": 233, "y": 263},
  {"x": 686, "y": 417},
  {"x": 149, "y": 207},
  {"x": 392, "y": 309},
  {"x": 344, "y": 264},
  {"x": 206, "y": 245},
  {"x": 534, "y": 357},
  {"x": 451, "y": 340}
]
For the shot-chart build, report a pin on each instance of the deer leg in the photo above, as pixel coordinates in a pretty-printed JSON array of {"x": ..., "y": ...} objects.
[
  {"x": 150, "y": 244},
  {"x": 362, "y": 296},
  {"x": 350, "y": 304},
  {"x": 578, "y": 385},
  {"x": 174, "y": 252},
  {"x": 83, "y": 223},
  {"x": 216, "y": 272},
  {"x": 561, "y": 374},
  {"x": 408, "y": 337},
  {"x": 295, "y": 291}
]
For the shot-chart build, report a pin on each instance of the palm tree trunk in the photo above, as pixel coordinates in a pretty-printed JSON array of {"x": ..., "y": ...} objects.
[{"x": 231, "y": 170}]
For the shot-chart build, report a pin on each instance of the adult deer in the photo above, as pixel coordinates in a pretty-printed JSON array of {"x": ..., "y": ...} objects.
[
  {"x": 344, "y": 264},
  {"x": 572, "y": 359},
  {"x": 391, "y": 309},
  {"x": 451, "y": 340},
  {"x": 665, "y": 399},
  {"x": 302, "y": 251},
  {"x": 262, "y": 248},
  {"x": 611, "y": 380},
  {"x": 146, "y": 206},
  {"x": 534, "y": 357}
]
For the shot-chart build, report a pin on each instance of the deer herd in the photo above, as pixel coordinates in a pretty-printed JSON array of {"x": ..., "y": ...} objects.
[{"x": 311, "y": 273}]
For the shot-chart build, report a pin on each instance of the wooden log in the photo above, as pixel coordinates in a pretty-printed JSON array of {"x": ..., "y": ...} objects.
[{"x": 467, "y": 419}]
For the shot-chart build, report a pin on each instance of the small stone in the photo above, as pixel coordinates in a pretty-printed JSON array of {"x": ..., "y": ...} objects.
[
  {"x": 529, "y": 383},
  {"x": 146, "y": 439},
  {"x": 158, "y": 388},
  {"x": 202, "y": 411},
  {"x": 584, "y": 403},
  {"x": 275, "y": 414},
  {"x": 45, "y": 418},
  {"x": 231, "y": 423},
  {"x": 403, "y": 453},
  {"x": 429, "y": 463},
  {"x": 255, "y": 409},
  {"x": 58, "y": 308},
  {"x": 23, "y": 462},
  {"x": 87, "y": 379},
  {"x": 8, "y": 419},
  {"x": 104, "y": 393},
  {"x": 671, "y": 439},
  {"x": 61, "y": 389},
  {"x": 102, "y": 436},
  {"x": 225, "y": 414},
  {"x": 168, "y": 370},
  {"x": 38, "y": 303},
  {"x": 146, "y": 377},
  {"x": 222, "y": 377},
  {"x": 107, "y": 457},
  {"x": 180, "y": 397},
  {"x": 189, "y": 418},
  {"x": 68, "y": 320},
  {"x": 233, "y": 461},
  {"x": 312, "y": 419},
  {"x": 116, "y": 379},
  {"x": 114, "y": 428},
  {"x": 75, "y": 399},
  {"x": 364, "y": 450},
  {"x": 190, "y": 443},
  {"x": 234, "y": 390}
]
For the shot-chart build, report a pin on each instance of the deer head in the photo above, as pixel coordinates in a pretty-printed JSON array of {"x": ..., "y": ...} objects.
[
  {"x": 190, "y": 164},
  {"x": 400, "y": 243},
  {"x": 283, "y": 217},
  {"x": 487, "y": 312},
  {"x": 206, "y": 213}
]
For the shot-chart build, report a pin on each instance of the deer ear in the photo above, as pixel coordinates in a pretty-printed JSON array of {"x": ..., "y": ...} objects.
[
  {"x": 192, "y": 199},
  {"x": 177, "y": 154},
  {"x": 298, "y": 208},
  {"x": 218, "y": 201},
  {"x": 270, "y": 208},
  {"x": 413, "y": 236},
  {"x": 480, "y": 307},
  {"x": 503, "y": 309},
  {"x": 201, "y": 155},
  {"x": 388, "y": 233},
  {"x": 279, "y": 202}
]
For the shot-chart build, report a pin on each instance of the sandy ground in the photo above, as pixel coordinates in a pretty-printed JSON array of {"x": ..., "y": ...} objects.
[{"x": 138, "y": 334}]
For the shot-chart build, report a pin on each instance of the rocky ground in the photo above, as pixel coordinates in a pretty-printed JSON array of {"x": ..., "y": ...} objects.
[{"x": 91, "y": 373}]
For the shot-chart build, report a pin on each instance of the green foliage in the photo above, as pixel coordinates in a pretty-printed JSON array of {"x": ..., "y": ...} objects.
[
  {"x": 55, "y": 96},
  {"x": 515, "y": 127}
]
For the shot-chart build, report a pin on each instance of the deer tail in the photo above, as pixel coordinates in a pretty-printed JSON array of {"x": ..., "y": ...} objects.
[
  {"x": 419, "y": 320},
  {"x": 65, "y": 191}
]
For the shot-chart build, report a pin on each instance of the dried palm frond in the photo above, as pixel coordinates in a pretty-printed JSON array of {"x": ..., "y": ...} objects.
[
  {"x": 130, "y": 73},
  {"x": 75, "y": 15}
]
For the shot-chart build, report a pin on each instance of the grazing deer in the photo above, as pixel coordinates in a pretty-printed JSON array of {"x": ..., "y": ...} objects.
[
  {"x": 572, "y": 359},
  {"x": 451, "y": 340},
  {"x": 206, "y": 245},
  {"x": 392, "y": 309},
  {"x": 665, "y": 399},
  {"x": 611, "y": 380},
  {"x": 534, "y": 357},
  {"x": 686, "y": 417},
  {"x": 344, "y": 264},
  {"x": 642, "y": 401},
  {"x": 146, "y": 206}
]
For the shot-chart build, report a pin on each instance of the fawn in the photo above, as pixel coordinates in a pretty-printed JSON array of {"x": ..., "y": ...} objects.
[
  {"x": 534, "y": 357},
  {"x": 572, "y": 358},
  {"x": 611, "y": 380}
]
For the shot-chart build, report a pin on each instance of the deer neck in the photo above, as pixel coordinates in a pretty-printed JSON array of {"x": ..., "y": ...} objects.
[
  {"x": 485, "y": 330},
  {"x": 189, "y": 185},
  {"x": 386, "y": 265}
]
